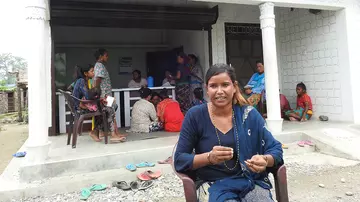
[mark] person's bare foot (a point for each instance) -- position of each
(115, 138)
(95, 137)
(121, 135)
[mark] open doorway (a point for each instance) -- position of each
(243, 49)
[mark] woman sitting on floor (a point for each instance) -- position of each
(303, 111)
(143, 115)
(169, 113)
(233, 147)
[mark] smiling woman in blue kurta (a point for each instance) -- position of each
(232, 145)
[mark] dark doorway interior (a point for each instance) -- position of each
(243, 49)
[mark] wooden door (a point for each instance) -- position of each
(243, 49)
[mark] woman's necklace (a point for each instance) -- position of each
(236, 137)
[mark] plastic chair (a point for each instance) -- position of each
(76, 120)
(190, 183)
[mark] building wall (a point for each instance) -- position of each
(3, 103)
(230, 13)
(82, 43)
(308, 52)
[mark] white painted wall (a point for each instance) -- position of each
(77, 53)
(308, 49)
(230, 13)
(194, 42)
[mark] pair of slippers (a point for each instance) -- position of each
(133, 167)
(305, 142)
(134, 185)
(149, 175)
(86, 192)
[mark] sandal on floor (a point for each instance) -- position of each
(134, 185)
(154, 175)
(85, 194)
(301, 144)
(19, 154)
(144, 176)
(146, 185)
(121, 185)
(308, 142)
(131, 167)
(98, 187)
(145, 164)
(167, 161)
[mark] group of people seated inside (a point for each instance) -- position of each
(254, 93)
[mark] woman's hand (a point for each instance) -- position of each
(257, 163)
(220, 154)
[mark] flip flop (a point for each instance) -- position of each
(131, 167)
(167, 161)
(98, 187)
(19, 154)
(144, 176)
(153, 175)
(85, 194)
(145, 164)
(134, 185)
(301, 144)
(121, 185)
(308, 142)
(146, 185)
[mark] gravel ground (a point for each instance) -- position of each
(303, 185)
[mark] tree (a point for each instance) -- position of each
(10, 63)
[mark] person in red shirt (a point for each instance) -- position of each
(303, 111)
(169, 113)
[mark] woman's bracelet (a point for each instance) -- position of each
(208, 158)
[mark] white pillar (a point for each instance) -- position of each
(267, 23)
(37, 19)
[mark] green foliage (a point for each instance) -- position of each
(10, 63)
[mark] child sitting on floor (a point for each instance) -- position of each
(303, 111)
(199, 97)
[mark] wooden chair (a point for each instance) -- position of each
(190, 184)
(76, 119)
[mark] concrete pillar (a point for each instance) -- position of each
(37, 20)
(267, 23)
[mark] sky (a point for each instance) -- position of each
(13, 27)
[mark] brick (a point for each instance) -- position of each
(327, 53)
(321, 54)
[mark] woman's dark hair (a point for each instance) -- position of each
(80, 71)
(219, 69)
(154, 94)
(230, 71)
(144, 92)
(199, 93)
(184, 56)
(193, 57)
(259, 61)
(137, 71)
(99, 53)
(164, 93)
(301, 85)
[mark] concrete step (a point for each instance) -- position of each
(15, 191)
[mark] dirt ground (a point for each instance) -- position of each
(12, 137)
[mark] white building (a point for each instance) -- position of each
(318, 47)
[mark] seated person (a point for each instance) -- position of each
(256, 85)
(225, 142)
(137, 81)
(303, 111)
(284, 106)
(143, 115)
(169, 80)
(155, 98)
(169, 113)
(199, 97)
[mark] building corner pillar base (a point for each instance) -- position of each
(275, 126)
(36, 154)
